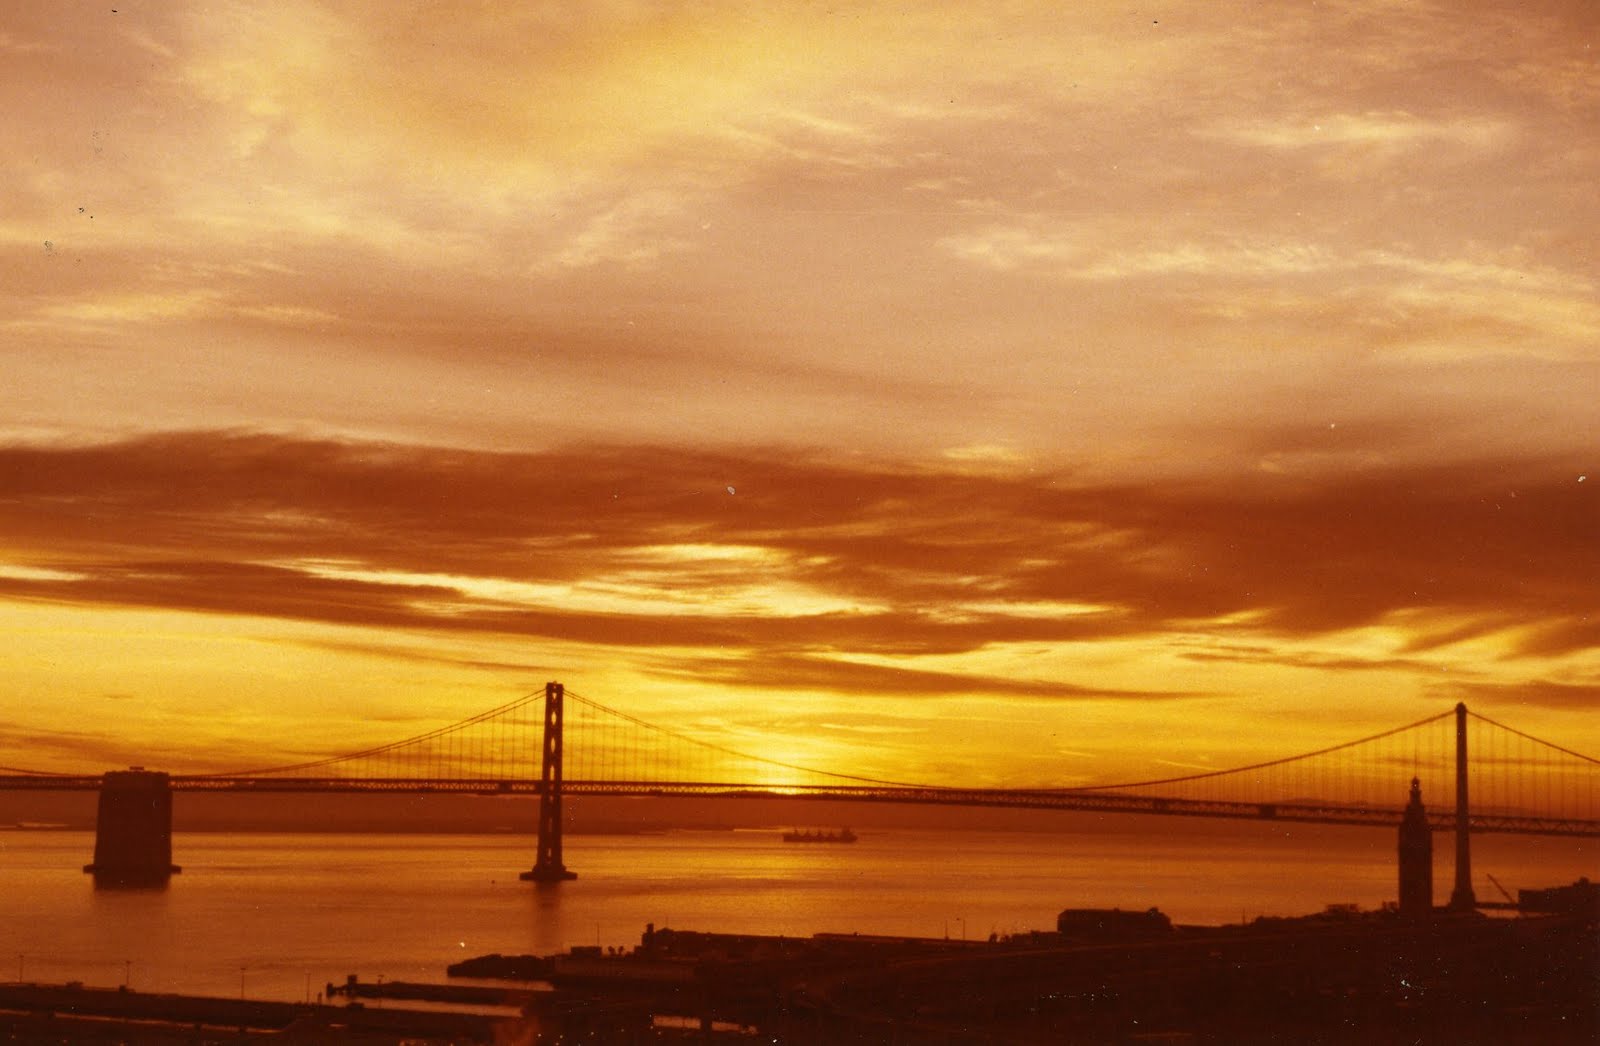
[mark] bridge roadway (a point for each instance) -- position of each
(1304, 811)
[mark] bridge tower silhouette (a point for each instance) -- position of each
(547, 865)
(1462, 898)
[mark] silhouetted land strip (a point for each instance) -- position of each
(459, 994)
(73, 1013)
(1103, 977)
(1339, 977)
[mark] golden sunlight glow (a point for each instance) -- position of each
(1019, 393)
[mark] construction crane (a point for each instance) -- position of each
(1510, 901)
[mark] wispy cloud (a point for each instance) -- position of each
(766, 672)
(1392, 130)
(1546, 693)
(11, 44)
(1097, 253)
(634, 231)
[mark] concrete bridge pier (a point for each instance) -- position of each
(133, 829)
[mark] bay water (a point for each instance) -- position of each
(279, 915)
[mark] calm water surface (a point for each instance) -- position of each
(279, 915)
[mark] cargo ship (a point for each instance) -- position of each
(843, 835)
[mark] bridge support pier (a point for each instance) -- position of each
(547, 866)
(133, 830)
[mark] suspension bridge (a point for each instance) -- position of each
(556, 743)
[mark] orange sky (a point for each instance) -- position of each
(1035, 395)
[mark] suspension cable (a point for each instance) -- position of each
(1535, 740)
(1257, 766)
(509, 706)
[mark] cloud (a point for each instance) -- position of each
(779, 671)
(1258, 654)
(10, 44)
(1096, 251)
(1343, 130)
(1542, 693)
(630, 232)
(795, 225)
(812, 561)
(46, 749)
(53, 748)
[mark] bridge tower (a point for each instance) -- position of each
(133, 829)
(1461, 898)
(547, 866)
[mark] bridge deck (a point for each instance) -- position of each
(1296, 810)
